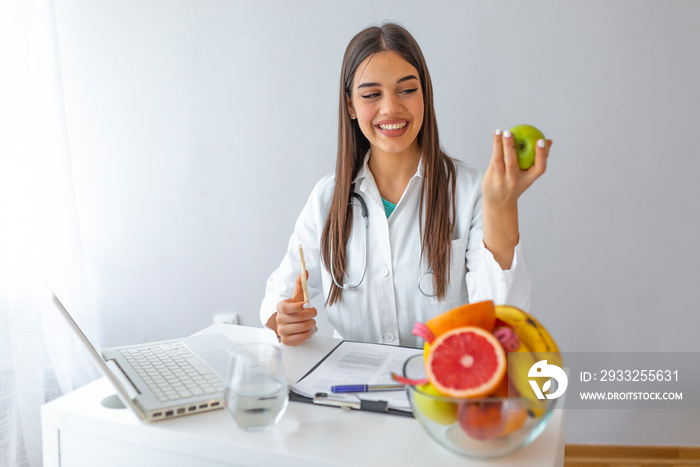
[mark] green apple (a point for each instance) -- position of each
(526, 137)
(442, 412)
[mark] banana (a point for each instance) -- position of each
(534, 339)
(528, 328)
(518, 375)
(530, 331)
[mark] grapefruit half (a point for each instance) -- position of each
(466, 362)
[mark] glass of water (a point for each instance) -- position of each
(256, 394)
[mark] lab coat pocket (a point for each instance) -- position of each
(457, 292)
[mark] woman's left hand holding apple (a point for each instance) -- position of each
(503, 183)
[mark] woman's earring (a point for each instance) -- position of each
(353, 116)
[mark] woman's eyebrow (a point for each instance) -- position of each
(400, 80)
(406, 78)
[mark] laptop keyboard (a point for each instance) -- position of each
(172, 372)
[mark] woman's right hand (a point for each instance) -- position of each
(294, 319)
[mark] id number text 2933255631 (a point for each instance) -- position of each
(630, 375)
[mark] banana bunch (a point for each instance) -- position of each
(531, 331)
(533, 340)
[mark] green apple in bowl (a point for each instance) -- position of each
(526, 137)
(427, 401)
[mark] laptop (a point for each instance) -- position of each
(164, 379)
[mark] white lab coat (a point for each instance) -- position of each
(385, 307)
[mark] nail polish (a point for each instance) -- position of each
(506, 133)
(498, 132)
(540, 143)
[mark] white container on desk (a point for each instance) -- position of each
(79, 431)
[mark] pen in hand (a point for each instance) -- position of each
(366, 388)
(303, 275)
(304, 287)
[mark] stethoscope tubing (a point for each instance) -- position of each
(365, 215)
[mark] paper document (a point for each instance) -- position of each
(359, 363)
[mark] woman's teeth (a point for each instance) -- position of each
(393, 126)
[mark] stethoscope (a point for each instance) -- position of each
(426, 283)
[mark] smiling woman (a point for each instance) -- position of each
(426, 211)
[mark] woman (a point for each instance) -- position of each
(438, 234)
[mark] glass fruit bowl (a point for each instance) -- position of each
(481, 428)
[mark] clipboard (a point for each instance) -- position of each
(321, 398)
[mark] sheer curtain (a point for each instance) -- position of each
(39, 232)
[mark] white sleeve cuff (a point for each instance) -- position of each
(487, 281)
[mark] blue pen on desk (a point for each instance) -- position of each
(366, 388)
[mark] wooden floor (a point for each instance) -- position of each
(584, 455)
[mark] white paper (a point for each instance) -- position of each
(359, 363)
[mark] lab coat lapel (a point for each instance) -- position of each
(368, 185)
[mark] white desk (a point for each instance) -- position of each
(79, 431)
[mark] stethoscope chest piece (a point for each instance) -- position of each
(426, 284)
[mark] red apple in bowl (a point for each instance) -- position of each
(482, 420)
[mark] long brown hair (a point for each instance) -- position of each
(437, 204)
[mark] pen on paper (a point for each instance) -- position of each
(303, 275)
(366, 388)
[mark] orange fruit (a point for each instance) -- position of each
(502, 389)
(466, 362)
(515, 419)
(506, 388)
(479, 314)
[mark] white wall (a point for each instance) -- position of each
(198, 128)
